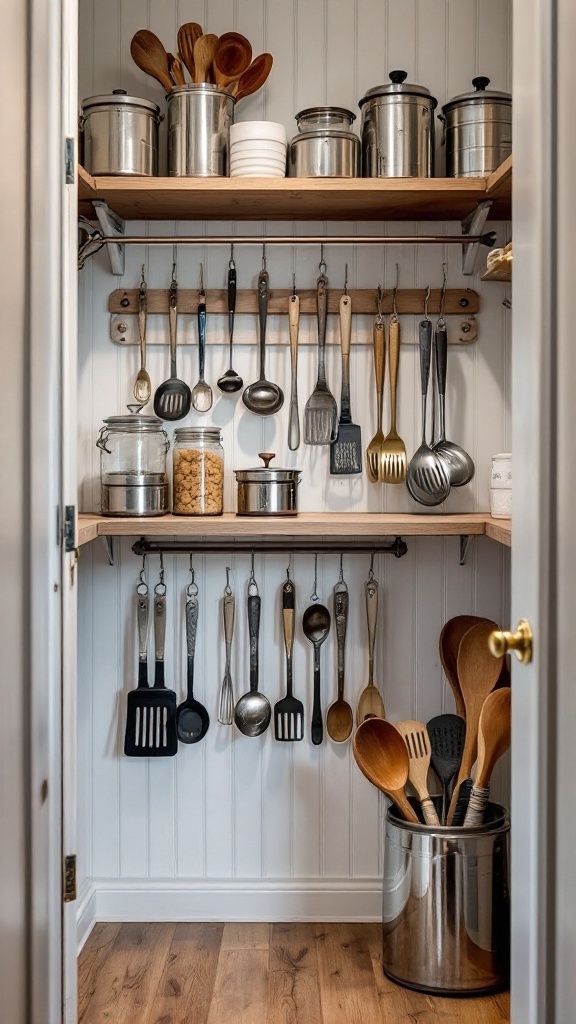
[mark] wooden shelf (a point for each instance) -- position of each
(352, 525)
(396, 199)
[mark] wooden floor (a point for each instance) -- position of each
(254, 974)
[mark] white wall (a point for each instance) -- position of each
(234, 809)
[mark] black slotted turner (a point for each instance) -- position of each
(151, 717)
(288, 712)
(447, 734)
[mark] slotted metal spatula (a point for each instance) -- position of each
(151, 718)
(321, 411)
(288, 712)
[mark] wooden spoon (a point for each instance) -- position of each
(449, 642)
(417, 742)
(232, 58)
(478, 671)
(253, 78)
(381, 755)
(187, 36)
(494, 732)
(204, 50)
(370, 701)
(176, 70)
(150, 56)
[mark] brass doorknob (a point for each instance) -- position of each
(501, 642)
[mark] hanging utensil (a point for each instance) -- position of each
(173, 397)
(204, 50)
(288, 712)
(230, 381)
(494, 733)
(192, 718)
(201, 392)
(142, 385)
(226, 704)
(253, 78)
(393, 462)
(381, 755)
(370, 700)
(427, 479)
(446, 734)
(449, 643)
(232, 57)
(478, 672)
(346, 450)
(459, 463)
(321, 411)
(418, 746)
(316, 626)
(253, 711)
(374, 449)
(187, 36)
(294, 327)
(263, 397)
(149, 55)
(340, 719)
(151, 717)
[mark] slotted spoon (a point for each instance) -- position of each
(374, 449)
(187, 36)
(418, 746)
(173, 397)
(393, 462)
(321, 411)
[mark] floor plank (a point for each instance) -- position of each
(241, 988)
(348, 992)
(129, 979)
(246, 935)
(92, 960)
(293, 991)
(187, 983)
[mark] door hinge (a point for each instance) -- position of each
(70, 543)
(70, 161)
(70, 878)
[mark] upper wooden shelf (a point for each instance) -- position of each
(306, 524)
(344, 199)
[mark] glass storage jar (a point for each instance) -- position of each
(133, 477)
(198, 479)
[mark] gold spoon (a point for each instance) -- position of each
(142, 385)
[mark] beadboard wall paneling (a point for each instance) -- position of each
(230, 807)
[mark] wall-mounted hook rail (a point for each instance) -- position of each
(397, 547)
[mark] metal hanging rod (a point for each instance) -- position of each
(397, 547)
(488, 239)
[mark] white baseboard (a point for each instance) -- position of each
(338, 899)
(85, 912)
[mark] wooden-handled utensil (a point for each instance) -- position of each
(478, 671)
(418, 746)
(232, 57)
(204, 50)
(340, 719)
(176, 69)
(187, 36)
(253, 78)
(346, 450)
(370, 701)
(494, 731)
(450, 637)
(288, 712)
(382, 757)
(149, 55)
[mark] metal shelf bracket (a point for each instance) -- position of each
(111, 226)
(473, 225)
(464, 546)
(109, 545)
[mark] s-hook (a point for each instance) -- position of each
(252, 585)
(394, 310)
(314, 595)
(227, 588)
(192, 588)
(142, 588)
(160, 588)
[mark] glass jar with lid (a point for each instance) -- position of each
(198, 478)
(133, 477)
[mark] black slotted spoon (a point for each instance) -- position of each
(289, 711)
(447, 733)
(173, 398)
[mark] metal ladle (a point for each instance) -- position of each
(253, 712)
(427, 479)
(201, 392)
(230, 382)
(316, 626)
(263, 397)
(460, 465)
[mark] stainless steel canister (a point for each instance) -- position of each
(136, 494)
(446, 905)
(119, 134)
(267, 492)
(398, 130)
(324, 154)
(477, 131)
(133, 478)
(199, 119)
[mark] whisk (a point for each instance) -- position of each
(226, 704)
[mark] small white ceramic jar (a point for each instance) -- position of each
(501, 486)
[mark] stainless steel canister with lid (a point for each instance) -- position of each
(133, 478)
(398, 130)
(267, 492)
(477, 131)
(325, 147)
(119, 134)
(199, 119)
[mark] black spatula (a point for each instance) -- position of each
(346, 450)
(446, 734)
(173, 397)
(151, 719)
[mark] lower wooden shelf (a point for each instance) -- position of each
(306, 524)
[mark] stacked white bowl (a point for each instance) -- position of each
(258, 149)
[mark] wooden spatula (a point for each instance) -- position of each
(204, 50)
(149, 55)
(494, 730)
(418, 746)
(478, 673)
(187, 36)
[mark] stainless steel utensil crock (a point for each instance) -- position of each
(324, 154)
(119, 134)
(446, 905)
(267, 492)
(199, 119)
(398, 130)
(477, 131)
(136, 494)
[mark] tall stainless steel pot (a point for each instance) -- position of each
(119, 134)
(477, 131)
(398, 130)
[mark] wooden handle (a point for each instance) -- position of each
(429, 811)
(371, 615)
(394, 357)
(476, 806)
(288, 601)
(345, 324)
(404, 806)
